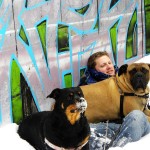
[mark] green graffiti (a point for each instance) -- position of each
(82, 76)
(82, 10)
(15, 93)
(131, 48)
(97, 21)
(147, 24)
(68, 80)
(42, 34)
(23, 36)
(82, 71)
(113, 36)
(63, 38)
(97, 24)
(1, 2)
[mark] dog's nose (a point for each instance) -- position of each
(139, 75)
(81, 99)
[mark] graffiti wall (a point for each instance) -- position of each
(45, 44)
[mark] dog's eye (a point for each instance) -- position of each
(144, 70)
(133, 71)
(79, 93)
(70, 96)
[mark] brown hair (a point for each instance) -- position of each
(91, 61)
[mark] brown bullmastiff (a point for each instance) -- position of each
(115, 97)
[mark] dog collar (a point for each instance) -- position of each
(61, 148)
(133, 94)
(146, 96)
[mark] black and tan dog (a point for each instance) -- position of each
(115, 97)
(65, 127)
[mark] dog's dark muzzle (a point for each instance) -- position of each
(139, 81)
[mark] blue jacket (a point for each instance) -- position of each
(92, 76)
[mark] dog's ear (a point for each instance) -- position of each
(122, 69)
(54, 94)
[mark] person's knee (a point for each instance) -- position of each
(137, 116)
(137, 124)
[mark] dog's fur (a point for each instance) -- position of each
(66, 126)
(103, 97)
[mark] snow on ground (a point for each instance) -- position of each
(143, 143)
(10, 140)
(145, 59)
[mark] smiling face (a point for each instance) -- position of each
(104, 65)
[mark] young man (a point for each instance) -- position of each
(104, 134)
(99, 67)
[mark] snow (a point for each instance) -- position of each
(10, 140)
(143, 143)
